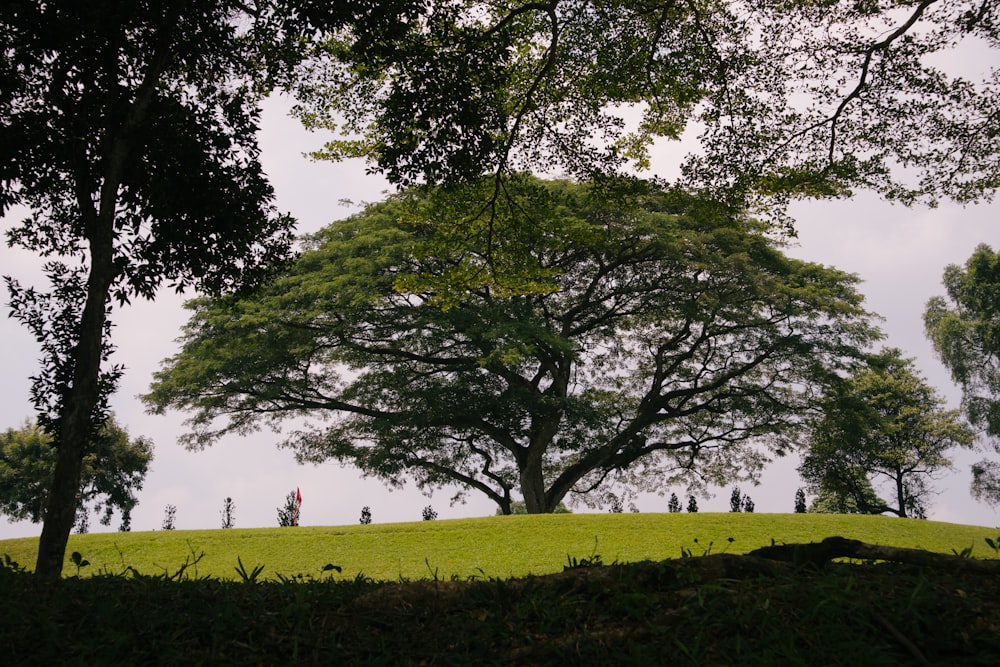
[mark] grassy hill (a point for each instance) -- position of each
(499, 547)
(510, 601)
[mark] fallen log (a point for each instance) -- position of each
(818, 553)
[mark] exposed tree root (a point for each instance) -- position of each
(818, 553)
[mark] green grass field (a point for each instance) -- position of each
(499, 547)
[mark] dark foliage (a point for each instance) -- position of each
(674, 505)
(287, 511)
(714, 610)
(228, 513)
(169, 517)
(735, 500)
(800, 501)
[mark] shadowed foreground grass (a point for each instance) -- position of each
(499, 547)
(141, 606)
(712, 610)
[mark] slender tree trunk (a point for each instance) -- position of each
(83, 396)
(901, 496)
(78, 407)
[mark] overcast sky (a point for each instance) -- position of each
(899, 253)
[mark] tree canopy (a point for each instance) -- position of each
(788, 99)
(113, 472)
(965, 331)
(662, 338)
(884, 423)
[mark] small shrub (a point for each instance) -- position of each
(287, 511)
(429, 513)
(576, 563)
(593, 560)
(748, 505)
(82, 521)
(9, 565)
(247, 576)
(169, 517)
(79, 561)
(228, 513)
(800, 501)
(366, 515)
(674, 505)
(616, 505)
(735, 500)
(692, 504)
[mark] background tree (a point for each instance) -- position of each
(692, 505)
(366, 515)
(965, 331)
(885, 423)
(428, 513)
(748, 505)
(228, 513)
(668, 342)
(674, 504)
(110, 110)
(169, 517)
(111, 473)
(287, 511)
(830, 501)
(735, 500)
(800, 501)
(82, 521)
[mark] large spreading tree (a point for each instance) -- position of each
(128, 131)
(656, 337)
(965, 331)
(882, 424)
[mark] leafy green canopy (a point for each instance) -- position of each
(113, 471)
(965, 331)
(660, 338)
(790, 98)
(128, 131)
(883, 423)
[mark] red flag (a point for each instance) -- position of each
(298, 504)
(298, 496)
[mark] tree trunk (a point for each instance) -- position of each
(901, 496)
(99, 228)
(531, 466)
(78, 405)
(533, 489)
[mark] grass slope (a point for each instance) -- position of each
(496, 547)
(721, 609)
